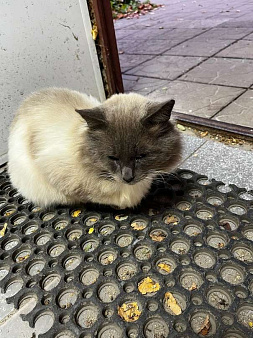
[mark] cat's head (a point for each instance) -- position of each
(131, 138)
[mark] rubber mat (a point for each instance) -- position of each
(180, 265)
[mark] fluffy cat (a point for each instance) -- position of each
(65, 147)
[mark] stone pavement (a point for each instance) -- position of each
(198, 52)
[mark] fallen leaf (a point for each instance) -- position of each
(8, 213)
(121, 217)
(172, 303)
(250, 324)
(109, 259)
(193, 287)
(220, 245)
(205, 328)
(22, 258)
(138, 225)
(226, 226)
(129, 312)
(94, 32)
(158, 236)
(164, 267)
(204, 133)
(161, 27)
(87, 247)
(147, 285)
(3, 231)
(171, 220)
(181, 127)
(91, 230)
(76, 213)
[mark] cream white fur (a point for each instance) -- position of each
(48, 163)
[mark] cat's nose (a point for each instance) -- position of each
(127, 174)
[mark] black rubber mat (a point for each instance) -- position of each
(180, 265)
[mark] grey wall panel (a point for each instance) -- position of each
(44, 43)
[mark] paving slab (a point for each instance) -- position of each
(223, 163)
(197, 99)
(238, 23)
(166, 67)
(241, 49)
(160, 33)
(16, 327)
(249, 37)
(199, 47)
(179, 33)
(201, 23)
(124, 33)
(141, 85)
(140, 46)
(128, 61)
(190, 145)
(239, 112)
(223, 71)
(157, 32)
(225, 33)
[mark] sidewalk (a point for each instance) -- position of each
(198, 52)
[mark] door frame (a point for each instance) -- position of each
(105, 40)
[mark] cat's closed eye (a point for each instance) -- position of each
(140, 157)
(113, 158)
(137, 158)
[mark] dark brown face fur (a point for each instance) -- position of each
(132, 149)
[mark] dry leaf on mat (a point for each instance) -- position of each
(3, 231)
(164, 267)
(205, 328)
(76, 213)
(172, 303)
(147, 285)
(171, 220)
(193, 287)
(129, 311)
(138, 225)
(158, 236)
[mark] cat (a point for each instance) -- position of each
(66, 147)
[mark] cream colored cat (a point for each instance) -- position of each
(66, 147)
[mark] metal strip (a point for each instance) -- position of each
(222, 126)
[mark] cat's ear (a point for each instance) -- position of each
(95, 117)
(158, 113)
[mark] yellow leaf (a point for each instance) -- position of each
(76, 213)
(129, 311)
(172, 303)
(147, 285)
(158, 236)
(164, 267)
(204, 133)
(171, 219)
(3, 231)
(250, 324)
(138, 225)
(205, 328)
(22, 258)
(181, 127)
(91, 230)
(94, 32)
(109, 259)
(8, 213)
(193, 287)
(121, 217)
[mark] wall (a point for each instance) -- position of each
(44, 43)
